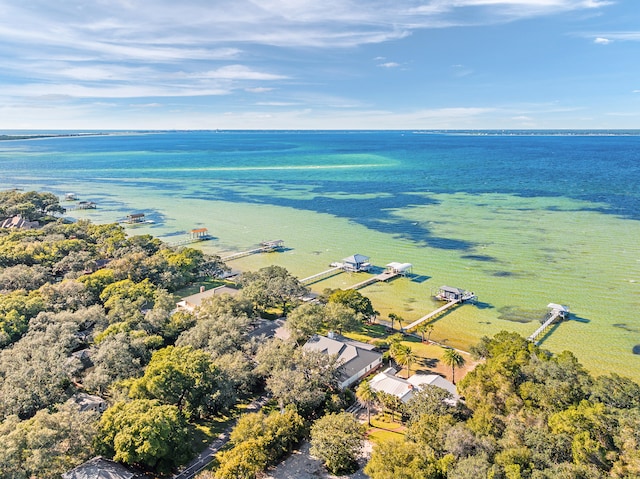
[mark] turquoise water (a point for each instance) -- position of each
(521, 218)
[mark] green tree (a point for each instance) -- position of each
(354, 300)
(48, 444)
(406, 460)
(186, 378)
(429, 400)
(367, 397)
(144, 432)
(258, 441)
(403, 355)
(337, 439)
(271, 286)
(35, 373)
(454, 359)
(304, 321)
(338, 317)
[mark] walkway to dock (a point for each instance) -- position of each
(386, 276)
(432, 314)
(557, 312)
(322, 275)
(265, 247)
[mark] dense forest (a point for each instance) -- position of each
(88, 308)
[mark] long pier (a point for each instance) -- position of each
(432, 314)
(187, 241)
(557, 313)
(322, 275)
(265, 247)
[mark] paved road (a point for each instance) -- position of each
(205, 457)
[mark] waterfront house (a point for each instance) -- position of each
(404, 389)
(190, 303)
(18, 222)
(355, 359)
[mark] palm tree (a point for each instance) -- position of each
(453, 358)
(425, 328)
(367, 397)
(403, 355)
(429, 329)
(407, 358)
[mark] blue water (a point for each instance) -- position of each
(526, 217)
(603, 169)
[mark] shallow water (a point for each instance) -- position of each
(522, 220)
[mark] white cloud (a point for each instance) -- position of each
(602, 41)
(146, 105)
(389, 65)
(241, 72)
(259, 89)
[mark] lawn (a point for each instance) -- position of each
(429, 355)
(382, 430)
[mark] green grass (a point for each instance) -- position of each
(382, 429)
(206, 430)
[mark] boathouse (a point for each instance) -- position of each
(449, 293)
(199, 234)
(86, 205)
(356, 263)
(561, 311)
(272, 245)
(135, 218)
(399, 268)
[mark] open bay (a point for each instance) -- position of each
(520, 218)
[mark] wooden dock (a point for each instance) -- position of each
(195, 236)
(432, 314)
(386, 276)
(265, 247)
(556, 313)
(323, 275)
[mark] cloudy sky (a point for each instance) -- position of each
(319, 64)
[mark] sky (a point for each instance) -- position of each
(319, 64)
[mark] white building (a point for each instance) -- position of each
(388, 382)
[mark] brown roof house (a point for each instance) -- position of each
(18, 222)
(190, 303)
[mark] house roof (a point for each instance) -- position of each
(18, 222)
(402, 267)
(356, 259)
(87, 401)
(451, 289)
(101, 468)
(195, 300)
(388, 382)
(353, 356)
(421, 380)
